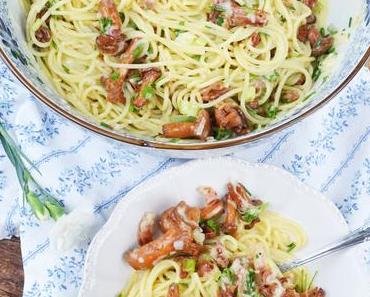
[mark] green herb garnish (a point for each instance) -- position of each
(66, 69)
(291, 246)
(122, 16)
(229, 275)
(272, 77)
(250, 284)
(105, 24)
(213, 225)
(322, 32)
(220, 21)
(148, 92)
(316, 71)
(105, 125)
(50, 3)
(272, 112)
(196, 57)
(223, 134)
(138, 51)
(350, 22)
(133, 108)
(174, 140)
(189, 265)
(253, 213)
(331, 50)
(150, 49)
(115, 75)
(182, 118)
(53, 44)
(132, 25)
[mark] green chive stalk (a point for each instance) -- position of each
(43, 205)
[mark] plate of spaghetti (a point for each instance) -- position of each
(175, 71)
(219, 227)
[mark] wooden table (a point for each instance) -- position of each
(11, 270)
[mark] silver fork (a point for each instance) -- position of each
(356, 237)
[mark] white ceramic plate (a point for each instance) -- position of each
(340, 275)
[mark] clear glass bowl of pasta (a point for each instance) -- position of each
(184, 77)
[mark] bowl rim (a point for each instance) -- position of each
(131, 139)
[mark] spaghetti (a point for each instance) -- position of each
(243, 62)
(235, 257)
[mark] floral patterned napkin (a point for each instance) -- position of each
(330, 151)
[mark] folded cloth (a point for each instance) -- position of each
(330, 151)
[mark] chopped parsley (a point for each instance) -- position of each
(316, 71)
(66, 69)
(291, 246)
(253, 213)
(175, 140)
(196, 57)
(178, 31)
(148, 92)
(322, 32)
(105, 24)
(350, 22)
(229, 275)
(189, 265)
(50, 3)
(309, 96)
(53, 44)
(132, 25)
(138, 51)
(182, 119)
(132, 108)
(213, 225)
(317, 64)
(220, 21)
(122, 16)
(150, 49)
(272, 112)
(105, 125)
(115, 75)
(223, 134)
(250, 288)
(272, 77)
(331, 50)
(331, 30)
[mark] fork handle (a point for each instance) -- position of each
(356, 237)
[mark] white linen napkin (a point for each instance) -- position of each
(330, 151)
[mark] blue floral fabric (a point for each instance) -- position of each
(330, 151)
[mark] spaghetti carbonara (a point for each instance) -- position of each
(228, 248)
(175, 69)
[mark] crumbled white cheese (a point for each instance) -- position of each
(147, 220)
(279, 290)
(178, 245)
(199, 236)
